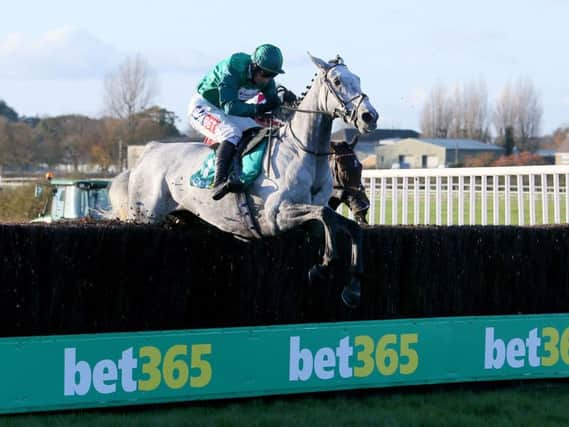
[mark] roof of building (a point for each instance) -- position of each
(461, 144)
(347, 134)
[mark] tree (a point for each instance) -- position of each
(163, 118)
(128, 91)
(519, 107)
(8, 112)
(560, 135)
(436, 116)
(470, 112)
(509, 140)
(460, 114)
(15, 144)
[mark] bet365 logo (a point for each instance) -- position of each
(177, 367)
(387, 355)
(545, 347)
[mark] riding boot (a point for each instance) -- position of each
(223, 184)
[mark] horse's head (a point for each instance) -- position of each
(344, 148)
(344, 164)
(343, 95)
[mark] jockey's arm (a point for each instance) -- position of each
(233, 106)
(229, 99)
(271, 97)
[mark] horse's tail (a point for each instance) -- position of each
(118, 196)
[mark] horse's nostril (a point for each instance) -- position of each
(367, 117)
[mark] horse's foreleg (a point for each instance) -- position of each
(292, 216)
(356, 236)
(295, 215)
(351, 292)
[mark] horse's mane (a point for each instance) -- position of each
(285, 114)
(336, 61)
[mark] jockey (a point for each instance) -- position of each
(220, 111)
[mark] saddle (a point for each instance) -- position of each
(251, 150)
(252, 137)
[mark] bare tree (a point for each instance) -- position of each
(519, 107)
(129, 90)
(462, 113)
(436, 116)
(475, 111)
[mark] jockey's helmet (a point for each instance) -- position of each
(268, 58)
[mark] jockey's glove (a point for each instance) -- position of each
(262, 109)
(286, 96)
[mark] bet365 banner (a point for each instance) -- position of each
(81, 371)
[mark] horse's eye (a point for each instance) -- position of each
(337, 81)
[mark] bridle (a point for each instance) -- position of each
(343, 113)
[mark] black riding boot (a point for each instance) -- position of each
(223, 184)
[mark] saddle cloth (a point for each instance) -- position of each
(251, 166)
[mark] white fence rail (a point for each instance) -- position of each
(519, 195)
(17, 181)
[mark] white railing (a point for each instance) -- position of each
(16, 182)
(518, 195)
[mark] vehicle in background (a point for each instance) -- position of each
(72, 199)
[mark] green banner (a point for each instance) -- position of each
(81, 371)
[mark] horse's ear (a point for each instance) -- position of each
(338, 60)
(323, 65)
(354, 141)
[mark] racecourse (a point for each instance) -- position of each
(467, 220)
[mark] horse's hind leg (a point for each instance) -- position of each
(149, 198)
(118, 196)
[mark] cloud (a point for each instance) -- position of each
(62, 53)
(70, 53)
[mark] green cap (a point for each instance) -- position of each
(269, 58)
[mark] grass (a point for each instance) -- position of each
(18, 204)
(513, 404)
(514, 209)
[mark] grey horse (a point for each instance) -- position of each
(292, 190)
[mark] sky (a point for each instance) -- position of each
(54, 55)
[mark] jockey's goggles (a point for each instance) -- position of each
(267, 74)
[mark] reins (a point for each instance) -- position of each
(346, 114)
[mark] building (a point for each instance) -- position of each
(432, 153)
(368, 142)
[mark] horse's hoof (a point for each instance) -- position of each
(351, 293)
(318, 273)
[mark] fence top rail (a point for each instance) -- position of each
(19, 179)
(487, 171)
